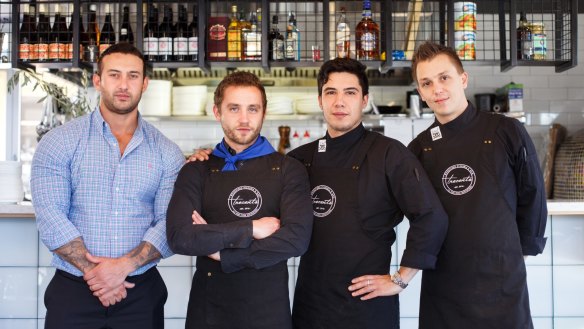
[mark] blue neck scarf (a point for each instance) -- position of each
(259, 148)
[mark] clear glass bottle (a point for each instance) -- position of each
(539, 41)
(367, 35)
(92, 49)
(343, 36)
(292, 39)
(252, 40)
(234, 36)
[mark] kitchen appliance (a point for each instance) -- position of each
(485, 102)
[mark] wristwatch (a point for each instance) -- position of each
(396, 278)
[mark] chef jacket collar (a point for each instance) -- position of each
(348, 138)
(462, 120)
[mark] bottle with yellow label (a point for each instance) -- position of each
(539, 41)
(234, 37)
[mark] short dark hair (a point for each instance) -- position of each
(340, 65)
(428, 51)
(239, 79)
(121, 48)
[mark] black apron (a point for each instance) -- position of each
(339, 251)
(480, 278)
(248, 298)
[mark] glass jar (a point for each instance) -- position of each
(539, 41)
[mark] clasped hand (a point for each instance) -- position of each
(107, 279)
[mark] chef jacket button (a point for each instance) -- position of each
(231, 245)
(209, 274)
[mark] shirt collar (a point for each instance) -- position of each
(98, 121)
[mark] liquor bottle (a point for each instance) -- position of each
(92, 49)
(107, 36)
(276, 41)
(252, 40)
(26, 35)
(58, 38)
(43, 29)
(151, 35)
(524, 39)
(165, 36)
(193, 51)
(292, 39)
(126, 34)
(234, 37)
(367, 35)
(343, 35)
(180, 42)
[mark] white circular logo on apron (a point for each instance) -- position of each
(245, 201)
(459, 179)
(323, 200)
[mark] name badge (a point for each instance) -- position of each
(322, 145)
(436, 133)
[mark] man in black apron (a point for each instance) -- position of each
(485, 170)
(362, 185)
(244, 212)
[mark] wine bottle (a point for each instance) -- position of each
(367, 35)
(58, 37)
(165, 36)
(126, 34)
(69, 39)
(43, 32)
(92, 49)
(193, 51)
(107, 37)
(25, 36)
(151, 35)
(181, 36)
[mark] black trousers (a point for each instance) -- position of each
(71, 304)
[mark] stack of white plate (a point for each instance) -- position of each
(280, 105)
(307, 105)
(189, 100)
(156, 99)
(11, 182)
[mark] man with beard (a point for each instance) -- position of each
(100, 187)
(244, 213)
(485, 170)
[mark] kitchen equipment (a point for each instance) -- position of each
(485, 102)
(389, 109)
(156, 99)
(189, 100)
(11, 182)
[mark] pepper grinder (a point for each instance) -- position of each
(284, 139)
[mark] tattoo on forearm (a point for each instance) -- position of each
(74, 253)
(143, 254)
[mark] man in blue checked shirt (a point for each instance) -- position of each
(101, 186)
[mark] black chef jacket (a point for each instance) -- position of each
(248, 288)
(485, 170)
(390, 183)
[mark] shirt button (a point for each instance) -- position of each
(117, 189)
(209, 274)
(115, 213)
